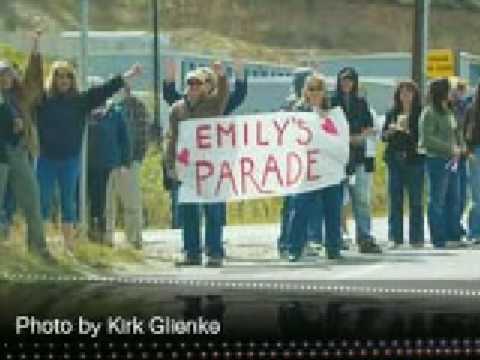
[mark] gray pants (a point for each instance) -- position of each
(27, 195)
(125, 186)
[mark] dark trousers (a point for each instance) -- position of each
(456, 203)
(97, 194)
(176, 209)
(192, 214)
(284, 215)
(406, 176)
(304, 206)
(314, 224)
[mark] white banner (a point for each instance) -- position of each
(253, 156)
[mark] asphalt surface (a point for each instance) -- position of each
(251, 256)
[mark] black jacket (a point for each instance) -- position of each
(359, 118)
(6, 130)
(401, 143)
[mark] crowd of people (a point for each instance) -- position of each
(42, 126)
(41, 138)
(427, 141)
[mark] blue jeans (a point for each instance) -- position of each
(213, 229)
(66, 172)
(456, 203)
(474, 215)
(315, 223)
(409, 176)
(304, 206)
(287, 208)
(443, 183)
(360, 193)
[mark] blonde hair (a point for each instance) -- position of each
(51, 88)
(316, 81)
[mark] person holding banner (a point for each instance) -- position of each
(198, 103)
(314, 226)
(235, 99)
(306, 205)
(442, 140)
(61, 121)
(360, 167)
(406, 167)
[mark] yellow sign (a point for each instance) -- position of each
(440, 63)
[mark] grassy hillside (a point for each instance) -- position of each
(332, 25)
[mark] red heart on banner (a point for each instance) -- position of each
(183, 156)
(329, 127)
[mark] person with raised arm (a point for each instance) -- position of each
(62, 114)
(235, 99)
(20, 144)
(197, 103)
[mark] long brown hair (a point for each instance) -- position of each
(439, 90)
(416, 102)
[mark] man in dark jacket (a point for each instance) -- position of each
(359, 168)
(108, 149)
(136, 117)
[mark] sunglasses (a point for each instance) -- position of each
(64, 75)
(194, 82)
(315, 89)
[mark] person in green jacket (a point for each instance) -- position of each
(442, 141)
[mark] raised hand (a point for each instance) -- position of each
(218, 68)
(36, 35)
(238, 68)
(135, 71)
(170, 70)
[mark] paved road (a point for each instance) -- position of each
(252, 257)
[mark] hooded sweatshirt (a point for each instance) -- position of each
(358, 116)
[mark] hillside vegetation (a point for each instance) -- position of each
(330, 25)
(274, 30)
